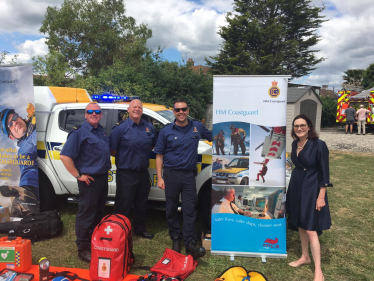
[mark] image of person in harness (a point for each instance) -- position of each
(220, 142)
(262, 172)
(237, 139)
(26, 194)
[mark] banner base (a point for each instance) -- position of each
(248, 254)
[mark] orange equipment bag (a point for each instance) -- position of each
(15, 253)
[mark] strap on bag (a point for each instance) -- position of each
(68, 274)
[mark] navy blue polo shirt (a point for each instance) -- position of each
(133, 144)
(89, 149)
(179, 144)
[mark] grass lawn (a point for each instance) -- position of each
(347, 248)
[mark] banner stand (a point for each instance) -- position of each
(249, 166)
(232, 255)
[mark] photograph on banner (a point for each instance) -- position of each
(253, 202)
(19, 183)
(231, 138)
(268, 156)
(230, 170)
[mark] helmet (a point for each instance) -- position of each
(4, 120)
(221, 132)
(232, 126)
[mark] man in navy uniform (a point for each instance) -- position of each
(131, 142)
(86, 155)
(176, 149)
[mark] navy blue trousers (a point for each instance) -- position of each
(180, 182)
(91, 208)
(132, 191)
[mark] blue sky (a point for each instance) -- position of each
(188, 29)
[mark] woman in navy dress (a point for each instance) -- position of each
(307, 205)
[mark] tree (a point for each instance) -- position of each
(92, 34)
(3, 55)
(329, 106)
(155, 81)
(269, 37)
(352, 78)
(368, 77)
(52, 70)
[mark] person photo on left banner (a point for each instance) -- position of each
(21, 131)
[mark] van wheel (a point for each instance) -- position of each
(244, 181)
(47, 195)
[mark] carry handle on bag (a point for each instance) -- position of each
(174, 264)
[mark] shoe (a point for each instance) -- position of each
(193, 251)
(346, 132)
(263, 181)
(358, 134)
(363, 134)
(145, 234)
(176, 244)
(84, 255)
(257, 180)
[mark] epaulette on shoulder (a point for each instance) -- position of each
(76, 127)
(118, 123)
(218, 203)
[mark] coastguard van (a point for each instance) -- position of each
(59, 109)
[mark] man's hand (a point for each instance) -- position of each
(161, 183)
(86, 178)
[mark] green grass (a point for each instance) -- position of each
(347, 248)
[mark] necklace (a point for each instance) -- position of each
(302, 145)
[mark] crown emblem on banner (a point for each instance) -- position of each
(274, 91)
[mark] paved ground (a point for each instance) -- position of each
(336, 139)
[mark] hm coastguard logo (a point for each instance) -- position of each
(274, 91)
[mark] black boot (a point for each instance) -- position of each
(193, 251)
(85, 254)
(176, 244)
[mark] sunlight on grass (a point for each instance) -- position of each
(347, 248)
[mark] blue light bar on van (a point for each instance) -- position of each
(110, 98)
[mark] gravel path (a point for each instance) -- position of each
(336, 139)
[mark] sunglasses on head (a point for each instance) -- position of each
(14, 118)
(90, 111)
(184, 109)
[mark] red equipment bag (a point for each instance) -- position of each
(174, 264)
(111, 249)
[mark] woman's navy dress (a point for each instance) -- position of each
(310, 173)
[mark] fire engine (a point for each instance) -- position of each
(346, 98)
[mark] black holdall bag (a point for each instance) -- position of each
(40, 226)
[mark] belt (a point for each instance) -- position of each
(178, 170)
(95, 175)
(131, 171)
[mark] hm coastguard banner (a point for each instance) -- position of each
(19, 183)
(249, 166)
